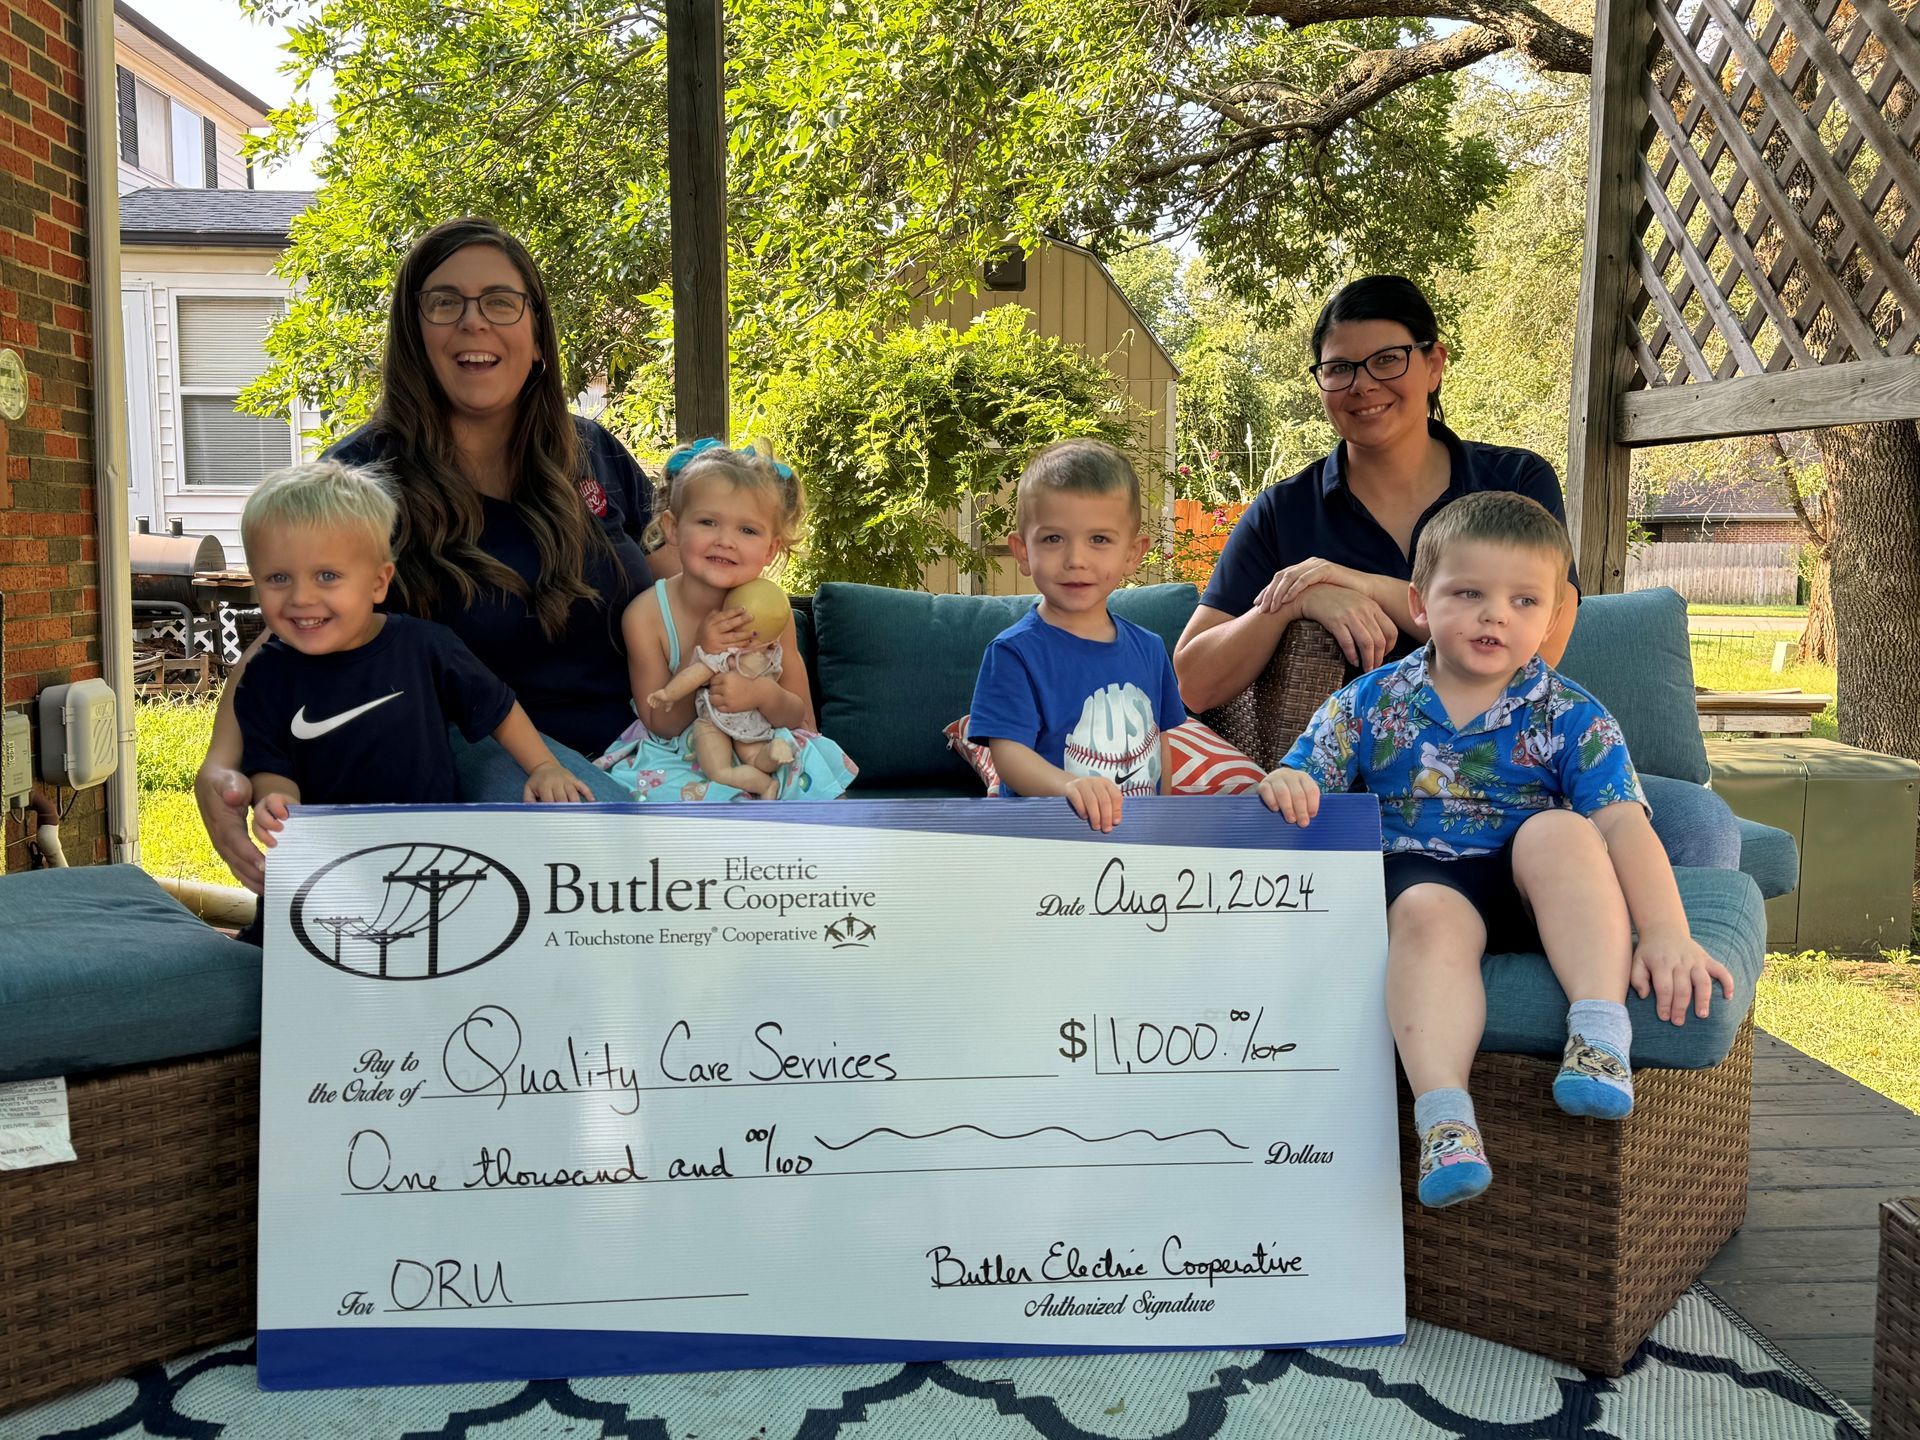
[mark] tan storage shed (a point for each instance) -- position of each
(1069, 295)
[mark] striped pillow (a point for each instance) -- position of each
(1202, 763)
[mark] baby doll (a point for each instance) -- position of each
(739, 749)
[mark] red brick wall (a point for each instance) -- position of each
(47, 569)
(1733, 532)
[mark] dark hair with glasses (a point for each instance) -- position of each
(1383, 297)
(437, 545)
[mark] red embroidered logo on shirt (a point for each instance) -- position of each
(596, 498)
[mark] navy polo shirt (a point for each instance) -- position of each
(575, 689)
(1313, 514)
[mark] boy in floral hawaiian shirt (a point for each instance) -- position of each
(1512, 820)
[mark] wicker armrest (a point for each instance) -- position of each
(1266, 718)
(1896, 1341)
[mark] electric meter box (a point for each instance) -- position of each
(79, 733)
(16, 759)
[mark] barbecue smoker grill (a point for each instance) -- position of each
(164, 567)
(183, 580)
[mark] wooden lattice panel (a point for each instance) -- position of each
(1779, 189)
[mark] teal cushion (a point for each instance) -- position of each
(1631, 652)
(895, 667)
(1769, 855)
(1527, 1009)
(101, 967)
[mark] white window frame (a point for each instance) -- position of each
(158, 167)
(179, 485)
(177, 110)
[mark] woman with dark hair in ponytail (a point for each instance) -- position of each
(519, 522)
(1336, 542)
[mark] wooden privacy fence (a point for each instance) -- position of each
(1715, 574)
(1200, 533)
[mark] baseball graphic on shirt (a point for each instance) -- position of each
(1116, 737)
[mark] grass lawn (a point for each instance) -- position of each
(171, 737)
(1742, 662)
(1862, 1017)
(1778, 612)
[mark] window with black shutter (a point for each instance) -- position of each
(212, 155)
(129, 117)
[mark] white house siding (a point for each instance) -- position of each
(232, 117)
(165, 276)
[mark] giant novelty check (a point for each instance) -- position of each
(568, 1091)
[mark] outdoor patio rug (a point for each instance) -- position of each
(1704, 1375)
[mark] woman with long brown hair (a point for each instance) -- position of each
(519, 521)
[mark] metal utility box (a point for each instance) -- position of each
(1851, 812)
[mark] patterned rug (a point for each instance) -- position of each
(1702, 1374)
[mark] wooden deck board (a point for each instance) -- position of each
(1826, 1152)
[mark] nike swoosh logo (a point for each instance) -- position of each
(305, 729)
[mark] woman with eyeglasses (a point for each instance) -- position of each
(520, 523)
(1335, 543)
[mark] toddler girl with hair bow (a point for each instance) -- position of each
(727, 731)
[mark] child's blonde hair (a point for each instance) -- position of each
(1077, 467)
(1500, 517)
(321, 493)
(745, 469)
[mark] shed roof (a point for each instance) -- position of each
(1743, 497)
(210, 217)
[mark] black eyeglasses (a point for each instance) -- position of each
(1388, 364)
(449, 307)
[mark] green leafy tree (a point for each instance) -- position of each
(895, 436)
(876, 148)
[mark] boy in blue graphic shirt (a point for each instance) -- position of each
(1073, 700)
(345, 705)
(1512, 820)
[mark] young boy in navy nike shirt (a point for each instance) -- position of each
(344, 704)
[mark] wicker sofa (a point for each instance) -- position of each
(144, 1248)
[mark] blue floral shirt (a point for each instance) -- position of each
(1545, 743)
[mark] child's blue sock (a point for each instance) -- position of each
(1453, 1161)
(1595, 1076)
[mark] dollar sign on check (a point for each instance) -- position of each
(1071, 1031)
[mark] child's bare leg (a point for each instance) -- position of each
(1561, 867)
(1436, 1001)
(714, 749)
(1437, 1005)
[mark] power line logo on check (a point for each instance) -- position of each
(409, 912)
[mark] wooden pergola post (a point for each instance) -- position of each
(1599, 467)
(697, 209)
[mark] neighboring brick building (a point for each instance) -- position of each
(1745, 510)
(48, 575)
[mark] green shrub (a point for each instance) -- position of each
(892, 433)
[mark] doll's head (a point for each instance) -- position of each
(749, 495)
(766, 604)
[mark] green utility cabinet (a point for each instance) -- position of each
(1852, 813)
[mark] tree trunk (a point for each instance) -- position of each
(1874, 470)
(1818, 645)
